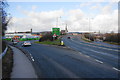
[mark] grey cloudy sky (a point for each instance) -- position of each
(41, 16)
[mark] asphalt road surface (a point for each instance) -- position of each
(102, 53)
(85, 62)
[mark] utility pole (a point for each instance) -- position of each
(57, 21)
(89, 26)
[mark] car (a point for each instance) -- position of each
(26, 43)
(15, 42)
(68, 37)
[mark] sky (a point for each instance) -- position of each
(79, 16)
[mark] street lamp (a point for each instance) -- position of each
(57, 21)
(89, 26)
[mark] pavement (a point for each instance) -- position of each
(22, 67)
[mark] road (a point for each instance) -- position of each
(54, 62)
(102, 53)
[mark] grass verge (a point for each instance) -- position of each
(85, 39)
(113, 43)
(7, 64)
(56, 42)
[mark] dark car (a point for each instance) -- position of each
(68, 37)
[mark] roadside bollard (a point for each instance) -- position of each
(62, 43)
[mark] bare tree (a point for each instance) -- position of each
(4, 20)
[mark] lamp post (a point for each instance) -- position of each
(89, 26)
(57, 21)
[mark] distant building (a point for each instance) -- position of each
(17, 34)
(64, 31)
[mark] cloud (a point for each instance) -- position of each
(34, 7)
(97, 6)
(39, 21)
(85, 4)
(106, 20)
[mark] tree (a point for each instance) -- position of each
(4, 20)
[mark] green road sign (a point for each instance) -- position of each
(56, 31)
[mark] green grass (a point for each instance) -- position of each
(113, 43)
(85, 39)
(8, 39)
(56, 42)
(22, 39)
(7, 63)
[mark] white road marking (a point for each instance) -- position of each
(33, 60)
(98, 61)
(116, 69)
(31, 57)
(68, 47)
(87, 56)
(103, 53)
(80, 53)
(96, 46)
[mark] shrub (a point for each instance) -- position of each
(47, 37)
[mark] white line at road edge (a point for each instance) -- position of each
(116, 69)
(98, 61)
(30, 55)
(33, 60)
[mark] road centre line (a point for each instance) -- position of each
(116, 69)
(98, 61)
(80, 53)
(96, 46)
(87, 56)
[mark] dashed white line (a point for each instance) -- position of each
(97, 47)
(98, 61)
(31, 57)
(116, 69)
(80, 53)
(87, 56)
(33, 60)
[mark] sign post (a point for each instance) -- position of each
(54, 36)
(56, 31)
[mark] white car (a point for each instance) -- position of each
(26, 43)
(15, 42)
